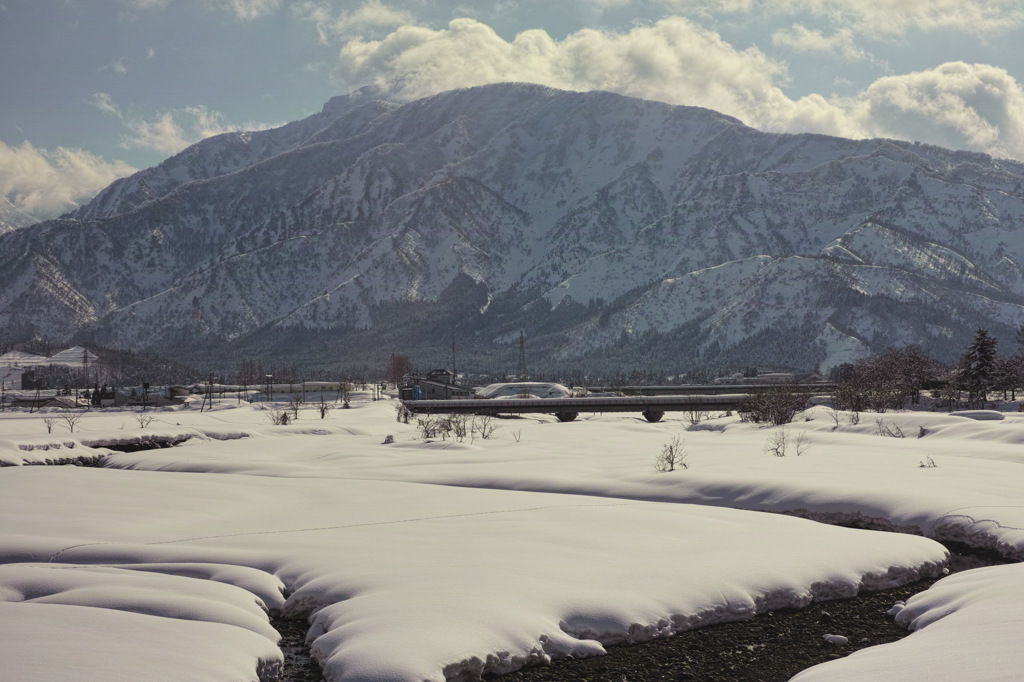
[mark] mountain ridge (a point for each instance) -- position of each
(603, 226)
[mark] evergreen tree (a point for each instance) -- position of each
(978, 367)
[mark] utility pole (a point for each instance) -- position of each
(522, 356)
(85, 365)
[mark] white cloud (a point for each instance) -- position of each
(372, 14)
(673, 60)
(244, 10)
(963, 106)
(105, 103)
(896, 17)
(170, 131)
(117, 66)
(875, 18)
(247, 10)
(842, 43)
(160, 134)
(46, 183)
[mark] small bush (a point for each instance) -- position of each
(781, 443)
(889, 430)
(482, 425)
(672, 455)
(70, 419)
(325, 407)
(428, 427)
(460, 426)
(777, 405)
(694, 417)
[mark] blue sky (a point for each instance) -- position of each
(95, 89)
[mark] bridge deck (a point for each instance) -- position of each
(569, 407)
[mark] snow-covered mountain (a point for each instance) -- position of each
(614, 231)
(11, 217)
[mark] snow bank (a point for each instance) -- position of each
(408, 581)
(98, 623)
(965, 627)
(420, 560)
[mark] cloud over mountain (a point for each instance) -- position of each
(966, 106)
(45, 182)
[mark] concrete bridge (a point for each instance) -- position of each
(653, 407)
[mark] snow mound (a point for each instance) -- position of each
(117, 624)
(965, 627)
(980, 415)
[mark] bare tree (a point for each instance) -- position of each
(50, 423)
(398, 366)
(323, 406)
(781, 443)
(144, 420)
(279, 417)
(776, 405)
(483, 426)
(672, 455)
(70, 419)
(694, 417)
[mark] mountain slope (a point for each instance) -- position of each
(617, 232)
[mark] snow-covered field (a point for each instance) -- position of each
(431, 560)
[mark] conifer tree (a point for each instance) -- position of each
(978, 365)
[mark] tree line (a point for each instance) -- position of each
(897, 377)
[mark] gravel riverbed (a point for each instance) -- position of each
(773, 646)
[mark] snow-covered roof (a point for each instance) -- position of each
(17, 358)
(71, 357)
(536, 389)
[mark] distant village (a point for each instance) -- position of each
(18, 369)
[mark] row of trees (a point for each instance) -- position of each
(896, 377)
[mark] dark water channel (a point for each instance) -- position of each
(299, 666)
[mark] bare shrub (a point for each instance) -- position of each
(893, 430)
(927, 463)
(672, 455)
(324, 407)
(834, 414)
(854, 418)
(444, 426)
(781, 443)
(459, 426)
(293, 406)
(427, 426)
(776, 405)
(50, 422)
(144, 420)
(483, 425)
(70, 419)
(694, 417)
(517, 434)
(402, 413)
(279, 417)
